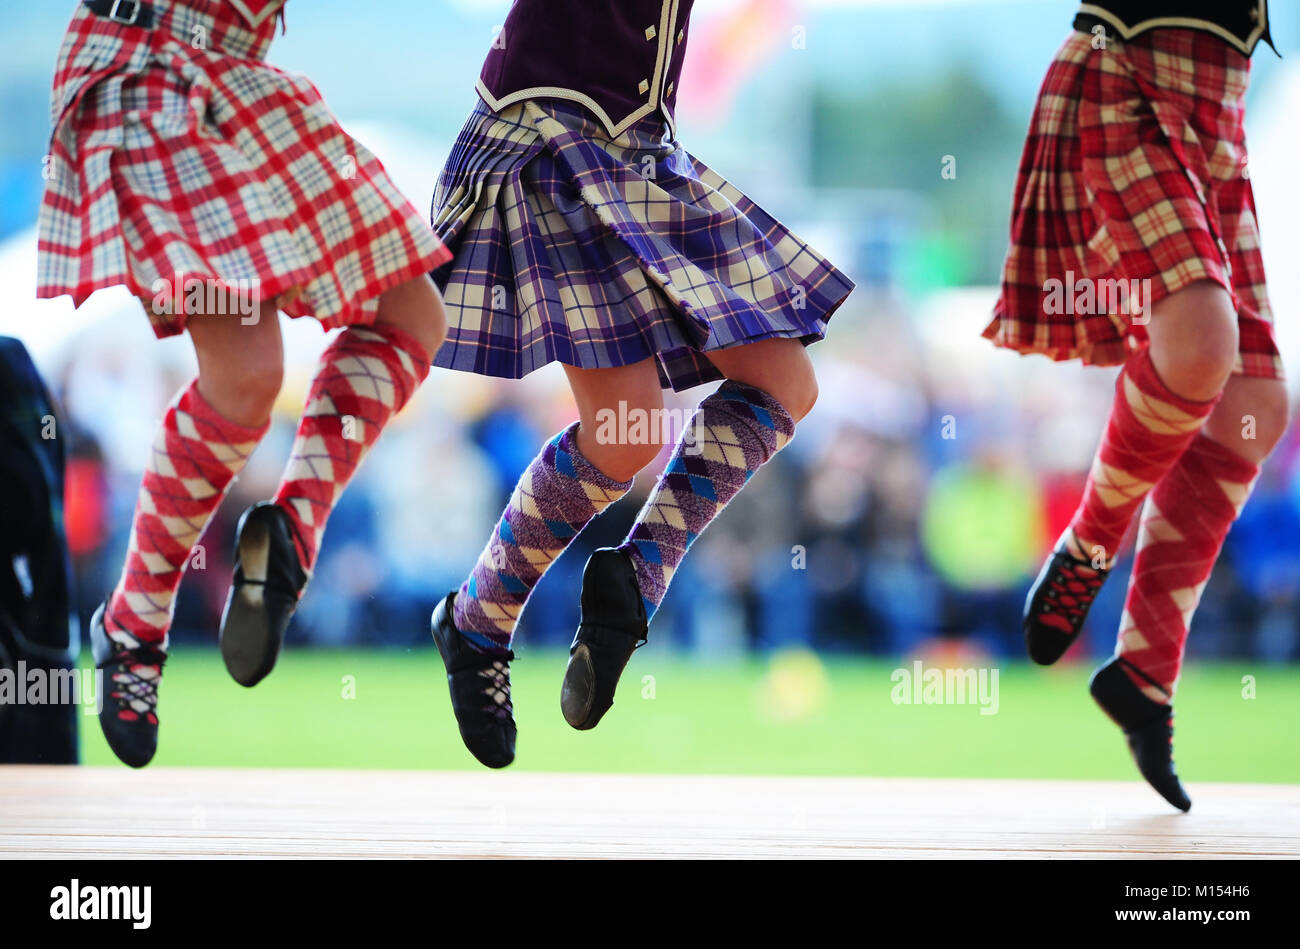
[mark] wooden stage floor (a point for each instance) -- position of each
(182, 812)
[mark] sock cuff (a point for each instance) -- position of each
(400, 351)
(562, 454)
(1140, 371)
(408, 344)
(767, 417)
(190, 401)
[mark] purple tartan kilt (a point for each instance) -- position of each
(573, 247)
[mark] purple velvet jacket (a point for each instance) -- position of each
(622, 59)
(1240, 23)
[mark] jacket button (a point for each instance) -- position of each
(651, 32)
(681, 35)
(644, 87)
(671, 87)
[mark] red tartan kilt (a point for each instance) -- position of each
(1134, 169)
(176, 163)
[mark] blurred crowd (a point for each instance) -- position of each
(916, 502)
(911, 510)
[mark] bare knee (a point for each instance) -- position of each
(622, 440)
(1194, 340)
(1275, 416)
(795, 388)
(1200, 369)
(241, 365)
(620, 461)
(802, 396)
(416, 308)
(623, 423)
(243, 390)
(1252, 418)
(779, 367)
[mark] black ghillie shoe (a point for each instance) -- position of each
(1057, 605)
(268, 582)
(480, 690)
(128, 692)
(613, 626)
(1148, 725)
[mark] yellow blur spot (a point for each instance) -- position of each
(795, 687)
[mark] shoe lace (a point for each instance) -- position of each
(1072, 588)
(136, 675)
(497, 677)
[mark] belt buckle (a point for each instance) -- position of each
(135, 5)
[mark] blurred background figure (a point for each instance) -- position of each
(38, 715)
(910, 512)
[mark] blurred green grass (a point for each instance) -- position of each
(791, 715)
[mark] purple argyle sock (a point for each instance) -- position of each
(735, 432)
(555, 498)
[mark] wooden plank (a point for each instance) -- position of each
(188, 812)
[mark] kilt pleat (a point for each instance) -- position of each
(1134, 169)
(595, 252)
(172, 158)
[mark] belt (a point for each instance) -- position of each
(126, 12)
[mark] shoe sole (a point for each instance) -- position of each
(578, 693)
(433, 631)
(248, 647)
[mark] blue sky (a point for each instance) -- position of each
(405, 57)
(413, 62)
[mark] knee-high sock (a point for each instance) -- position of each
(365, 378)
(1149, 428)
(733, 433)
(1184, 524)
(196, 454)
(555, 498)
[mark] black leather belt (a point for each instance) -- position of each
(126, 12)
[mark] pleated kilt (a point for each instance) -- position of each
(595, 252)
(179, 156)
(1135, 169)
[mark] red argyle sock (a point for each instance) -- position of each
(196, 455)
(1149, 428)
(1183, 528)
(365, 378)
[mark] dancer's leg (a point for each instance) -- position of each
(206, 436)
(1163, 397)
(733, 433)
